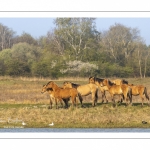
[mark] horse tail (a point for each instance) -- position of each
(145, 92)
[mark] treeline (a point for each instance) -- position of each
(75, 48)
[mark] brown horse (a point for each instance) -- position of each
(63, 94)
(140, 90)
(84, 90)
(113, 89)
(51, 94)
(103, 89)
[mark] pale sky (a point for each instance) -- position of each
(40, 26)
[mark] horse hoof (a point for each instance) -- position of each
(114, 105)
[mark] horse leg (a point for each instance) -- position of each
(56, 103)
(50, 102)
(96, 97)
(105, 97)
(113, 100)
(102, 97)
(61, 102)
(66, 102)
(81, 99)
(142, 97)
(93, 99)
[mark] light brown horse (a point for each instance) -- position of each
(84, 90)
(103, 89)
(119, 81)
(140, 90)
(123, 90)
(60, 93)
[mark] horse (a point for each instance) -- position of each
(61, 93)
(114, 89)
(84, 90)
(103, 89)
(119, 81)
(52, 98)
(140, 90)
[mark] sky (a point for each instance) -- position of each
(37, 27)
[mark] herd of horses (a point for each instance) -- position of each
(71, 91)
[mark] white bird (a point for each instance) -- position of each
(23, 123)
(51, 124)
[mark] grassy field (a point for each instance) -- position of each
(21, 100)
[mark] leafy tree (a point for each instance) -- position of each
(25, 38)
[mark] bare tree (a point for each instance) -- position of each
(6, 37)
(75, 32)
(120, 42)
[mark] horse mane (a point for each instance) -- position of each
(111, 83)
(74, 85)
(124, 81)
(99, 80)
(48, 83)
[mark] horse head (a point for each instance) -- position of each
(44, 89)
(91, 79)
(67, 84)
(47, 86)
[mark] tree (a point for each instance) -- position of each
(75, 32)
(25, 37)
(120, 42)
(6, 37)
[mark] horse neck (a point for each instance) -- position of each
(55, 87)
(108, 84)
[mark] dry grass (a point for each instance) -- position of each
(21, 99)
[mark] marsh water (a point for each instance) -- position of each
(79, 130)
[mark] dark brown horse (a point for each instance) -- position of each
(103, 89)
(140, 90)
(122, 89)
(84, 90)
(63, 94)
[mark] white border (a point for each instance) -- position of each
(75, 5)
(72, 135)
(74, 14)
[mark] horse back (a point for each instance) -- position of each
(137, 89)
(66, 93)
(115, 89)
